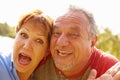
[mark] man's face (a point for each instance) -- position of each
(70, 45)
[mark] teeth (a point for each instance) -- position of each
(63, 53)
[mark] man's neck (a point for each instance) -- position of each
(74, 72)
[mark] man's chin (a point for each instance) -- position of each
(64, 67)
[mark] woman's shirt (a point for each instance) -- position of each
(7, 69)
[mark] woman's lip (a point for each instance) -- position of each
(24, 59)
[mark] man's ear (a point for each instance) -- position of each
(94, 40)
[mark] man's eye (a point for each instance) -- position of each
(56, 33)
(39, 41)
(75, 34)
(23, 35)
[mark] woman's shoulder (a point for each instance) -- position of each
(5, 58)
(6, 67)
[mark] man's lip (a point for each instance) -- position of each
(63, 53)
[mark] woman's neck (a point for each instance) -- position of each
(24, 76)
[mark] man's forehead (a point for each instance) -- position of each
(72, 15)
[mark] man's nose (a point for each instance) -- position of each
(63, 40)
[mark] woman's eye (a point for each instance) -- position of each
(23, 35)
(39, 41)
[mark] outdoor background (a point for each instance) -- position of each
(105, 12)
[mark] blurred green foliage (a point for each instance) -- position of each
(106, 40)
(109, 42)
(6, 30)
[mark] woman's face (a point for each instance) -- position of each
(30, 46)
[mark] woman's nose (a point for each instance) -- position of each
(28, 44)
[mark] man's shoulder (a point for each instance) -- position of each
(46, 71)
(101, 61)
(104, 55)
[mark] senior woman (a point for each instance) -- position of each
(30, 47)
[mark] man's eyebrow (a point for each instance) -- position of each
(75, 28)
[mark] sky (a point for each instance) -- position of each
(105, 12)
(6, 44)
